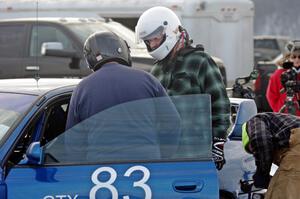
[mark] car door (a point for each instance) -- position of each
(12, 42)
(49, 66)
(139, 149)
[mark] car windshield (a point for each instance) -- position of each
(266, 43)
(143, 130)
(12, 106)
(83, 30)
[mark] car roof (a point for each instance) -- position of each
(271, 37)
(35, 86)
(56, 20)
(137, 50)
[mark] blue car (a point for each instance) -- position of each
(140, 149)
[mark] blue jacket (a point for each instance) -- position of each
(113, 125)
(112, 84)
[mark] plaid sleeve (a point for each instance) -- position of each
(261, 142)
(211, 79)
(155, 71)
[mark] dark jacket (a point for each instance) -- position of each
(112, 84)
(114, 123)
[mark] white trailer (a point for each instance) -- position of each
(224, 27)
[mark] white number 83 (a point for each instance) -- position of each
(113, 176)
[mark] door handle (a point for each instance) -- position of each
(188, 186)
(32, 68)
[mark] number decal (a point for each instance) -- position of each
(107, 185)
(141, 183)
(113, 176)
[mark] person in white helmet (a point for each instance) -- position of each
(183, 69)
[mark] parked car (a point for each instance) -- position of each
(52, 47)
(26, 41)
(268, 47)
(40, 159)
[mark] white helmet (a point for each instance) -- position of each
(157, 21)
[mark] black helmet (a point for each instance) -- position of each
(103, 47)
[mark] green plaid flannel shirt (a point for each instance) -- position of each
(197, 73)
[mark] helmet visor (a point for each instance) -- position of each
(157, 33)
(157, 37)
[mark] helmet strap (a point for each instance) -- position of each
(186, 36)
(183, 41)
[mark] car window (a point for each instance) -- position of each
(12, 106)
(266, 43)
(11, 40)
(41, 34)
(44, 126)
(55, 121)
(83, 30)
(143, 130)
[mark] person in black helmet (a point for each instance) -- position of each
(112, 85)
(113, 81)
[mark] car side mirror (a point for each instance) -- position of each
(55, 49)
(51, 46)
(34, 153)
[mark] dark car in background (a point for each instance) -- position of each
(268, 47)
(52, 47)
